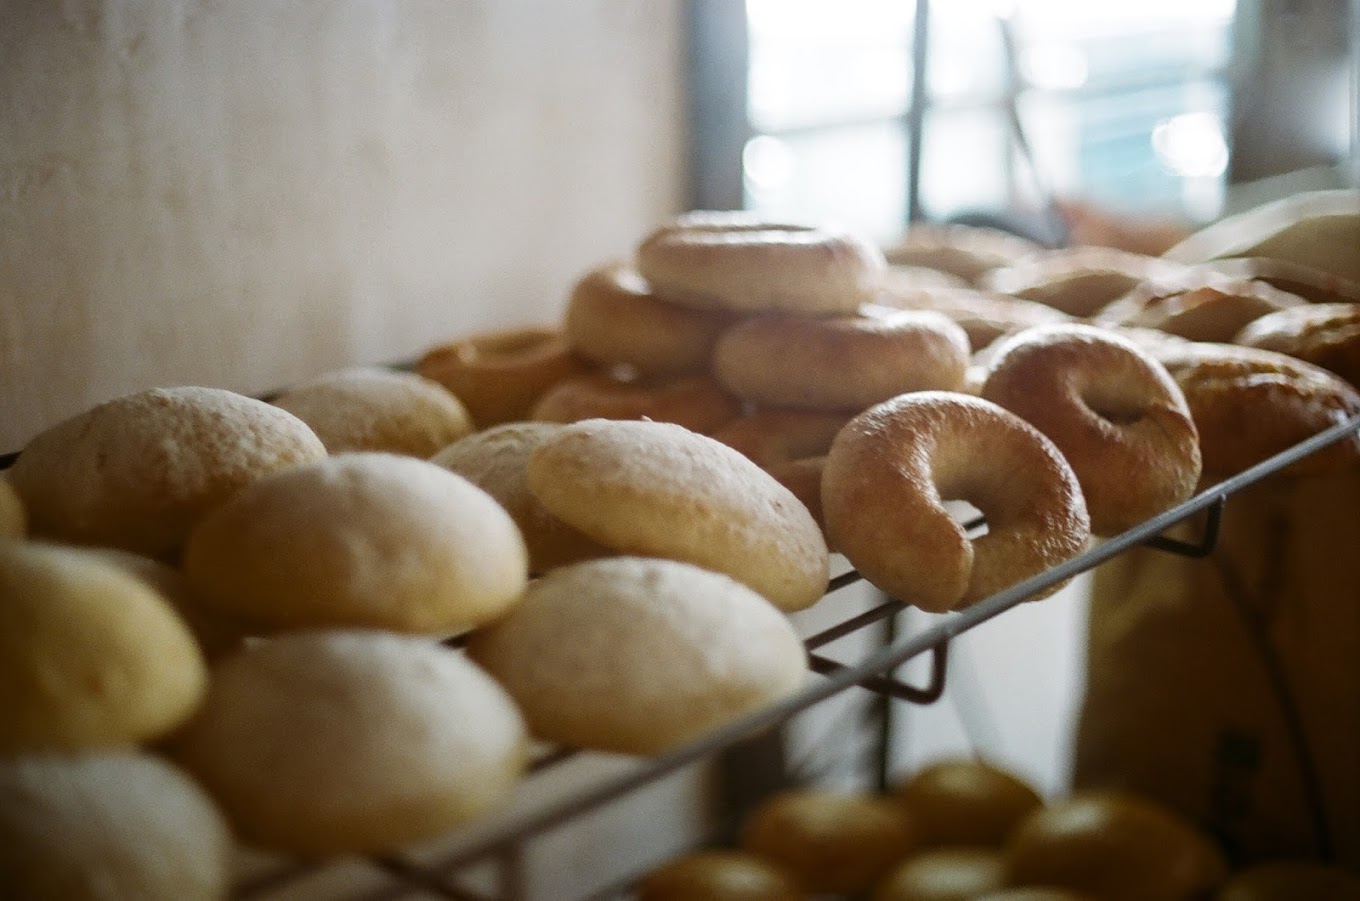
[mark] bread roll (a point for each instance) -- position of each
(637, 655)
(90, 656)
(496, 460)
(373, 540)
(114, 826)
(138, 472)
(966, 802)
(657, 489)
(375, 409)
(718, 875)
(331, 742)
(944, 874)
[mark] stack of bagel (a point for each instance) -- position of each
(335, 621)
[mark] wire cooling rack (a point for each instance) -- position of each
(500, 840)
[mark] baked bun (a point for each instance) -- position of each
(942, 874)
(372, 540)
(718, 875)
(374, 409)
(334, 742)
(637, 655)
(496, 460)
(659, 490)
(1326, 335)
(614, 318)
(113, 825)
(499, 375)
(13, 519)
(138, 472)
(832, 841)
(720, 260)
(966, 803)
(1114, 846)
(890, 470)
(90, 656)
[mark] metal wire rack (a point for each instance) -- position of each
(501, 841)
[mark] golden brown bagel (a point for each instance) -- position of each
(891, 467)
(737, 262)
(1114, 412)
(966, 251)
(1078, 280)
(840, 362)
(696, 402)
(498, 375)
(1326, 335)
(986, 316)
(614, 318)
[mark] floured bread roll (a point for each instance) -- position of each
(637, 655)
(496, 460)
(332, 742)
(365, 539)
(659, 490)
(13, 519)
(375, 409)
(90, 656)
(138, 472)
(116, 825)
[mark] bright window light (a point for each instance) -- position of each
(1191, 145)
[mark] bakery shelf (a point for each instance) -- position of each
(495, 843)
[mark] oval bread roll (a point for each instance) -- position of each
(496, 460)
(966, 802)
(116, 825)
(637, 655)
(331, 742)
(369, 540)
(373, 409)
(719, 874)
(659, 490)
(90, 656)
(138, 472)
(943, 874)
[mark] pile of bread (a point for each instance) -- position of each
(335, 621)
(965, 829)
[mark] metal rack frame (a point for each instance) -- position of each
(504, 842)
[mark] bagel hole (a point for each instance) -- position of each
(967, 515)
(1115, 410)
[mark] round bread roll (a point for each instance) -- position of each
(334, 742)
(659, 490)
(943, 874)
(366, 539)
(710, 260)
(374, 409)
(114, 826)
(90, 656)
(1291, 880)
(966, 251)
(966, 802)
(13, 519)
(831, 841)
(496, 460)
(637, 655)
(840, 362)
(891, 469)
(1326, 335)
(499, 375)
(696, 402)
(613, 318)
(138, 472)
(1113, 411)
(718, 875)
(1034, 893)
(1114, 846)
